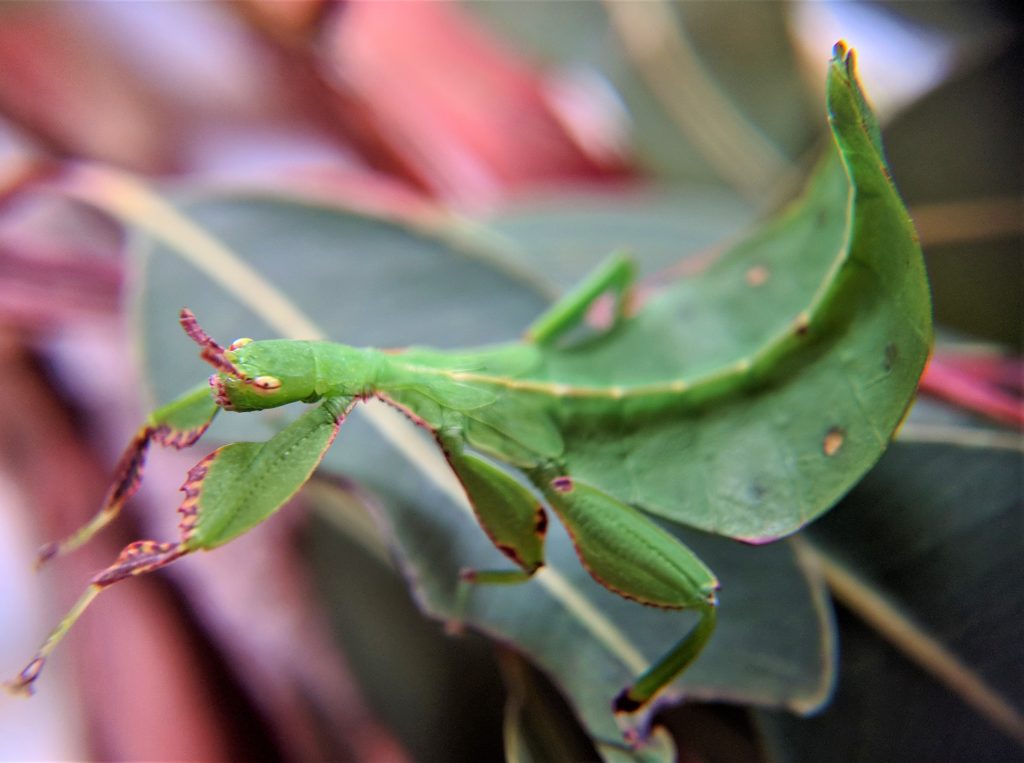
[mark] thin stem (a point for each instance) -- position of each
(915, 642)
(665, 59)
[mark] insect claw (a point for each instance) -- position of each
(188, 321)
(24, 684)
(46, 552)
(625, 703)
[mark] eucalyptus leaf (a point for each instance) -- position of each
(562, 238)
(936, 532)
(758, 660)
(823, 311)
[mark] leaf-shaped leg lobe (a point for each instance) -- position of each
(178, 424)
(628, 554)
(509, 513)
(239, 485)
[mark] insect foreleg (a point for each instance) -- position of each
(615, 274)
(239, 485)
(228, 492)
(136, 558)
(178, 424)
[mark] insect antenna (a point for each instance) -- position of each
(212, 352)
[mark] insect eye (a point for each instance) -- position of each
(239, 343)
(266, 383)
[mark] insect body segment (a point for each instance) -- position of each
(275, 372)
(674, 411)
(241, 484)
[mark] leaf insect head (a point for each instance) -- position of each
(253, 375)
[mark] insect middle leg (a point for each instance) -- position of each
(508, 512)
(615, 274)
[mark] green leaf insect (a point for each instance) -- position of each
(805, 372)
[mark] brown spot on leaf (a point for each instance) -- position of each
(757, 275)
(802, 325)
(833, 441)
(892, 354)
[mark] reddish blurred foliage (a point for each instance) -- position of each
(989, 384)
(61, 84)
(293, 23)
(467, 114)
(142, 646)
(59, 260)
(394, 107)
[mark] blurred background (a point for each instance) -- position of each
(522, 118)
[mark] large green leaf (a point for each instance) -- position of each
(934, 533)
(369, 281)
(804, 341)
(694, 110)
(755, 660)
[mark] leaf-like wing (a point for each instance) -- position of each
(801, 348)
